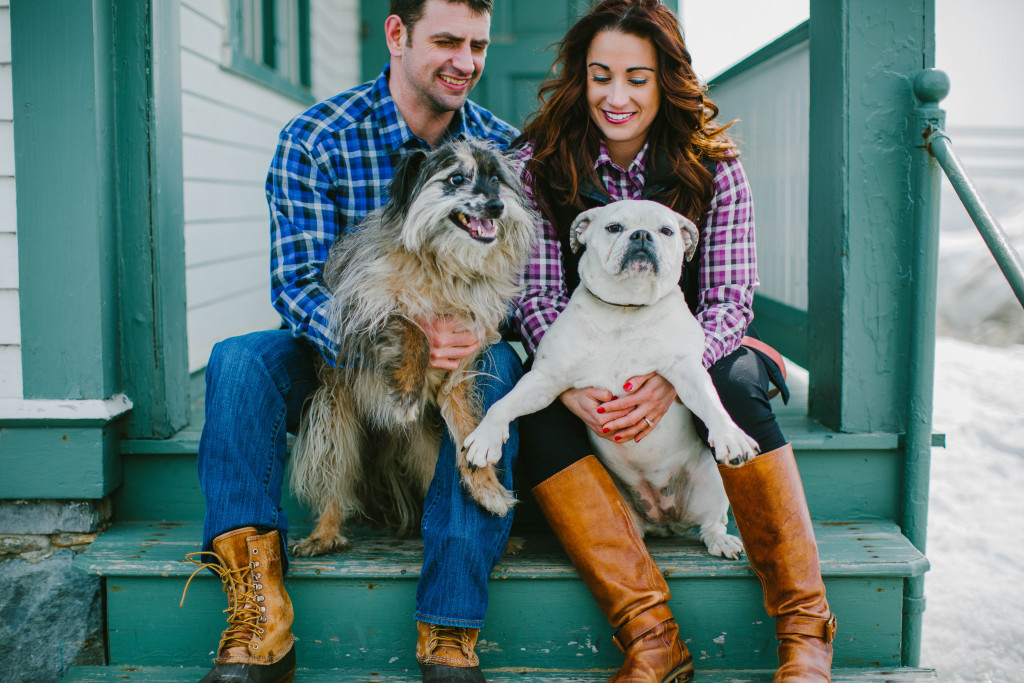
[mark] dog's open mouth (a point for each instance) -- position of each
(480, 229)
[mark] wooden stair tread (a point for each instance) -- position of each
(861, 548)
(161, 674)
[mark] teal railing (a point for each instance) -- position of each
(935, 153)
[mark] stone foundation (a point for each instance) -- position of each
(50, 615)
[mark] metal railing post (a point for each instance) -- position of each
(930, 86)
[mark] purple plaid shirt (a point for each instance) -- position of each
(728, 263)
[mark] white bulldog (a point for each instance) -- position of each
(627, 318)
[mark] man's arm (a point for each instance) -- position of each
(303, 222)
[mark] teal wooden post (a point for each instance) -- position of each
(154, 349)
(930, 86)
(67, 219)
(97, 142)
(864, 56)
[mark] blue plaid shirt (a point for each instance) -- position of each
(332, 167)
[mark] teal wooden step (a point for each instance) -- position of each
(80, 674)
(846, 476)
(356, 609)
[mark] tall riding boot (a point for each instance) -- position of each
(258, 645)
(591, 521)
(770, 508)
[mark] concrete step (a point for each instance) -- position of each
(190, 675)
(357, 607)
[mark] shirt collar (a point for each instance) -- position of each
(637, 169)
(394, 131)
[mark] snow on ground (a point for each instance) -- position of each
(974, 622)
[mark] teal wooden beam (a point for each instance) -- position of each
(150, 202)
(864, 56)
(63, 92)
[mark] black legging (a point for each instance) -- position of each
(554, 438)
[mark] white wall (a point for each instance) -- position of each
(230, 126)
(10, 324)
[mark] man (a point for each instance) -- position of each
(332, 167)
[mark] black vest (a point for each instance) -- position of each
(658, 188)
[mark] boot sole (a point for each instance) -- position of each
(682, 674)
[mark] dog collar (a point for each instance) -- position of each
(611, 303)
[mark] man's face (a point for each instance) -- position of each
(441, 61)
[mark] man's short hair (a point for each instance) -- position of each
(410, 11)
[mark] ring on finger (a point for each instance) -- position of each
(649, 423)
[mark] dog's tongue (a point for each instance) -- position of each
(482, 228)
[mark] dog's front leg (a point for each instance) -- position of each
(697, 392)
(536, 390)
(405, 359)
(460, 411)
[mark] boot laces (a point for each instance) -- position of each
(244, 612)
(449, 636)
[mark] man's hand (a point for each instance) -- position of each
(449, 341)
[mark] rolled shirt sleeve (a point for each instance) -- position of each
(728, 270)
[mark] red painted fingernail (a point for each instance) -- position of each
(627, 386)
(617, 438)
(606, 430)
(600, 409)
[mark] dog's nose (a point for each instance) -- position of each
(641, 236)
(494, 208)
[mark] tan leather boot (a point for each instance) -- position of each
(591, 520)
(258, 645)
(770, 508)
(445, 653)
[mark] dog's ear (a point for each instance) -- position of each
(688, 231)
(403, 182)
(577, 233)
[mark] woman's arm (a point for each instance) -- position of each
(728, 264)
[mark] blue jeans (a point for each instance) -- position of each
(256, 385)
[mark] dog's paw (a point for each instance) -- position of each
(407, 406)
(483, 445)
(724, 545)
(514, 545)
(732, 446)
(316, 545)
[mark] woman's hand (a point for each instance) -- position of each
(647, 396)
(585, 403)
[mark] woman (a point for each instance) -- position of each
(625, 117)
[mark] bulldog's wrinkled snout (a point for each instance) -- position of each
(642, 238)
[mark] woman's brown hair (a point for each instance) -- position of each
(565, 140)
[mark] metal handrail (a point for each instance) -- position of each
(1009, 261)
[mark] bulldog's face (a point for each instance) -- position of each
(634, 250)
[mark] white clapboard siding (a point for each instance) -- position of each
(10, 331)
(771, 102)
(8, 206)
(204, 241)
(335, 46)
(219, 160)
(221, 279)
(230, 125)
(210, 324)
(10, 317)
(208, 201)
(8, 261)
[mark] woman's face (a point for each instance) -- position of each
(623, 94)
